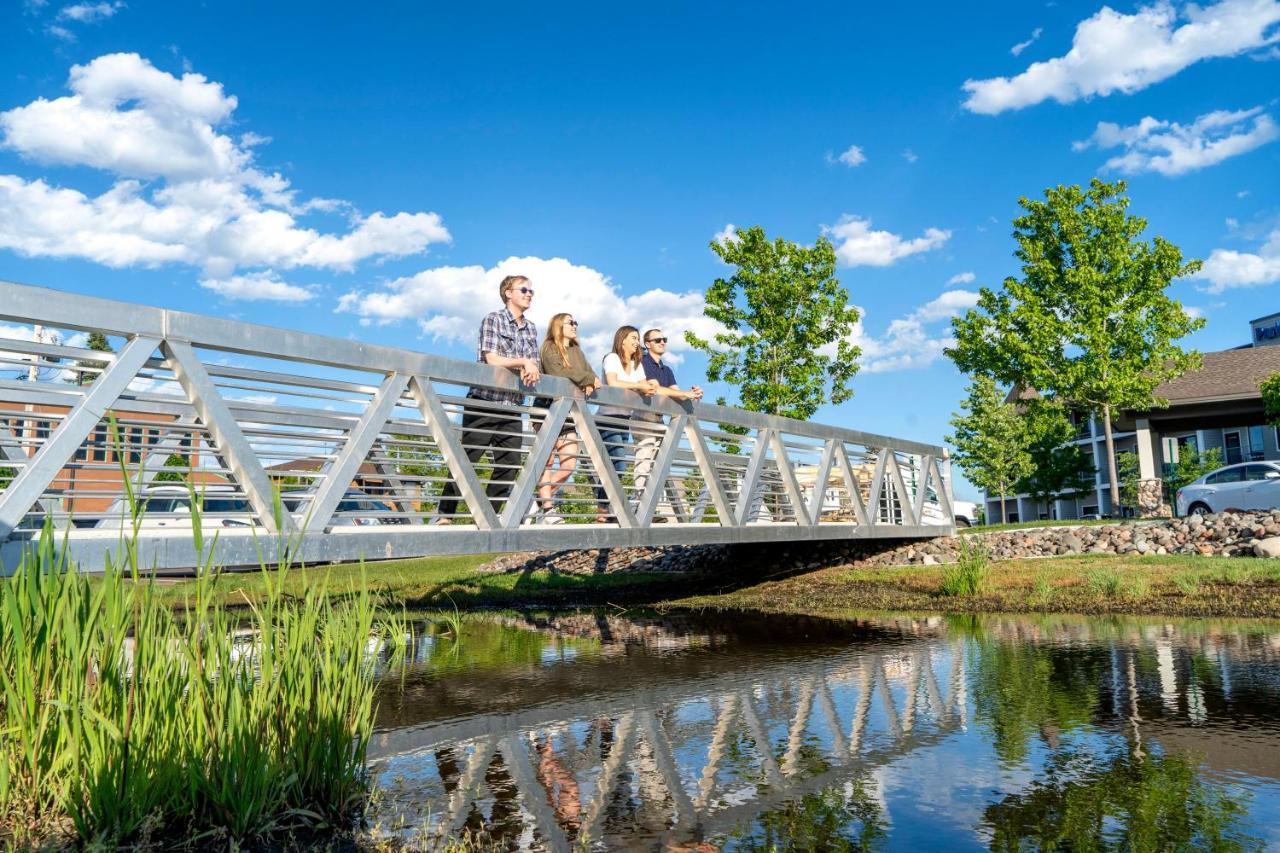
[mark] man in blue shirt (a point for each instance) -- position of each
(649, 438)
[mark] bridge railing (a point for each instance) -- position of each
(284, 432)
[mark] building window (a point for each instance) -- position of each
(99, 451)
(1257, 448)
(1089, 509)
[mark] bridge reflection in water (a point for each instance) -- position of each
(744, 733)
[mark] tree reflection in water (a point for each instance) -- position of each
(839, 819)
(1086, 802)
(1020, 733)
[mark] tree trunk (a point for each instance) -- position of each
(1004, 500)
(1111, 460)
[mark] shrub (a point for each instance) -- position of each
(1187, 582)
(1104, 582)
(1041, 589)
(968, 574)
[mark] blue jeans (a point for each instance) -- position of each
(616, 443)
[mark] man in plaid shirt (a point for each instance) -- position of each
(507, 339)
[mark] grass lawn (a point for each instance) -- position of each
(1171, 585)
(428, 583)
(1028, 525)
(1087, 584)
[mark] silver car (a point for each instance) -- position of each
(1248, 486)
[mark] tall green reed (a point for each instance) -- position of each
(126, 720)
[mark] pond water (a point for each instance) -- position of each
(745, 732)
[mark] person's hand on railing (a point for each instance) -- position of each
(529, 372)
(648, 388)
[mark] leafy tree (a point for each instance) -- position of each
(1089, 320)
(1129, 473)
(174, 460)
(1193, 464)
(787, 322)
(1270, 389)
(98, 343)
(990, 440)
(6, 474)
(1056, 465)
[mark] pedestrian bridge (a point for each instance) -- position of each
(280, 433)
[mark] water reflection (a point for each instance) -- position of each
(585, 730)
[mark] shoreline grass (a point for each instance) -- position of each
(1173, 585)
(1088, 584)
(126, 721)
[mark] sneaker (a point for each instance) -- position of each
(551, 518)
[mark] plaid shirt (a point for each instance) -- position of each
(499, 333)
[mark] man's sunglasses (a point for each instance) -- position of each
(656, 341)
(527, 291)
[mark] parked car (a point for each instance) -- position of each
(170, 507)
(965, 512)
(1247, 486)
(356, 509)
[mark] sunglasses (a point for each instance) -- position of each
(527, 291)
(573, 323)
(656, 341)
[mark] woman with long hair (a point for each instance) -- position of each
(562, 356)
(622, 369)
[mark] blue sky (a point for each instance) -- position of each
(372, 173)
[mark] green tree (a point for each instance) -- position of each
(787, 323)
(1056, 465)
(98, 343)
(1089, 321)
(174, 460)
(990, 440)
(1270, 389)
(1129, 475)
(1193, 464)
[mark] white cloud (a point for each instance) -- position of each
(851, 156)
(961, 278)
(1018, 48)
(60, 33)
(1227, 269)
(89, 13)
(183, 191)
(1172, 149)
(727, 235)
(907, 343)
(1242, 194)
(1115, 52)
(910, 156)
(1232, 223)
(449, 302)
(263, 286)
(858, 245)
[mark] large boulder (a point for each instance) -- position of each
(1269, 547)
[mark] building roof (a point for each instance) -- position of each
(1229, 373)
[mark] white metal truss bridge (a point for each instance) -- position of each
(282, 433)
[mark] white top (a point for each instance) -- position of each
(613, 364)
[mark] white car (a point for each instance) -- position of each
(169, 507)
(1247, 486)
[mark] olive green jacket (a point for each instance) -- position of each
(576, 370)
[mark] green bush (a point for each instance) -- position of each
(968, 574)
(1104, 582)
(135, 724)
(1187, 582)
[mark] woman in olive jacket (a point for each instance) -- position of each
(561, 356)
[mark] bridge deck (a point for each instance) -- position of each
(355, 444)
